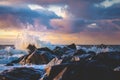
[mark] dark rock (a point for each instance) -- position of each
(87, 67)
(45, 49)
(20, 74)
(9, 64)
(116, 75)
(54, 71)
(112, 59)
(68, 71)
(40, 56)
(65, 48)
(102, 46)
(67, 59)
(80, 52)
(58, 51)
(72, 46)
(95, 70)
(31, 48)
(92, 53)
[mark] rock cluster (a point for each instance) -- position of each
(70, 63)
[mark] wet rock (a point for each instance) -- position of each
(58, 51)
(54, 71)
(116, 75)
(112, 59)
(92, 53)
(102, 46)
(45, 49)
(31, 48)
(95, 70)
(20, 74)
(80, 52)
(9, 64)
(72, 46)
(67, 71)
(40, 56)
(67, 59)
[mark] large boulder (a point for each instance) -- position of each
(21, 74)
(95, 70)
(39, 56)
(91, 70)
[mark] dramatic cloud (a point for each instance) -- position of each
(83, 20)
(26, 16)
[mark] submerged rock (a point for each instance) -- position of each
(21, 74)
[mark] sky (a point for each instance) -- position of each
(61, 21)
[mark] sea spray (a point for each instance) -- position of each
(24, 39)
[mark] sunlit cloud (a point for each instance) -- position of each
(93, 25)
(108, 3)
(59, 10)
(35, 7)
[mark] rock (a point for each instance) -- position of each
(54, 61)
(20, 74)
(45, 49)
(102, 46)
(65, 49)
(67, 59)
(31, 48)
(95, 70)
(80, 52)
(68, 71)
(9, 64)
(116, 75)
(40, 56)
(85, 67)
(112, 59)
(72, 46)
(58, 51)
(54, 71)
(92, 53)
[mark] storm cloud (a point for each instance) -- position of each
(25, 16)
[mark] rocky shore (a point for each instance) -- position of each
(66, 63)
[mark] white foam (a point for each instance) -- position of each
(2, 67)
(96, 49)
(24, 39)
